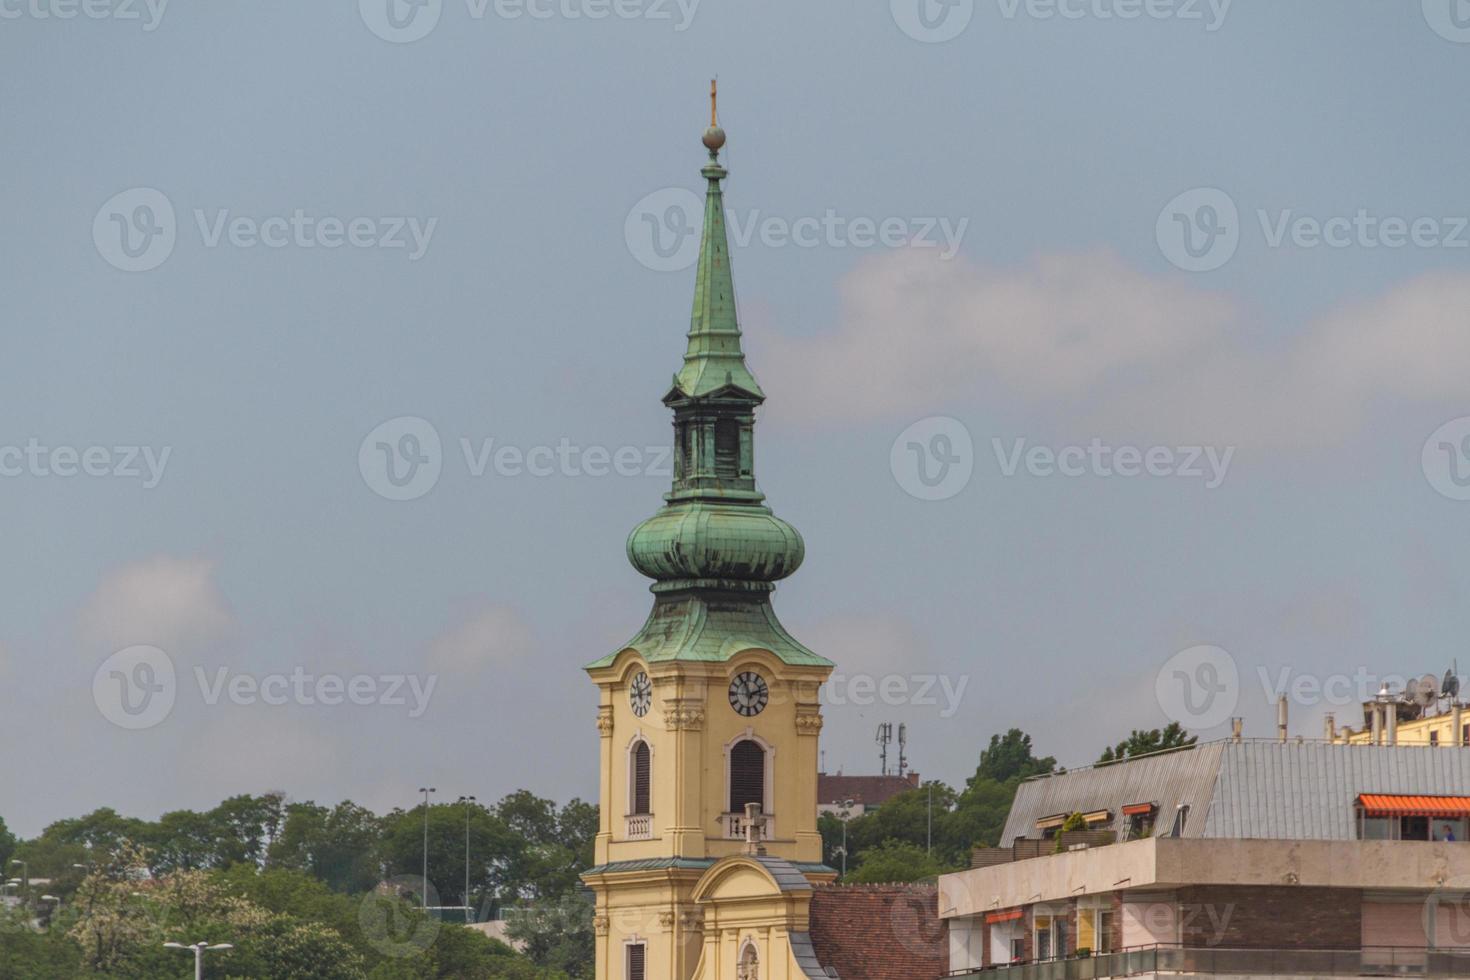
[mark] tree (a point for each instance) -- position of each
(1010, 757)
(1144, 742)
(895, 861)
(340, 846)
(7, 844)
(557, 934)
(496, 853)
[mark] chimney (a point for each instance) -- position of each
(1457, 737)
(913, 779)
(1330, 727)
(1392, 714)
(1237, 725)
(1377, 709)
(1281, 718)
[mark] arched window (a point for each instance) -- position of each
(642, 776)
(747, 776)
(727, 448)
(749, 967)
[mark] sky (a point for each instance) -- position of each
(1115, 352)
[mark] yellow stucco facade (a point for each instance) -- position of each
(683, 885)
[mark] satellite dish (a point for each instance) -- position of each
(1428, 691)
(1411, 689)
(1450, 686)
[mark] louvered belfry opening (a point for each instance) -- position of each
(636, 955)
(747, 776)
(642, 774)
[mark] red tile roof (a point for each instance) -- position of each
(880, 932)
(870, 790)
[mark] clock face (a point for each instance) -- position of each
(749, 694)
(640, 694)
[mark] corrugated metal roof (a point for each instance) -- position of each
(1270, 790)
(1307, 791)
(1168, 779)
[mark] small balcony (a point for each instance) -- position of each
(640, 826)
(734, 824)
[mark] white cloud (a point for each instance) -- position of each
(1088, 336)
(165, 601)
(487, 636)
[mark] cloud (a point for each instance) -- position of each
(164, 601)
(487, 636)
(1088, 336)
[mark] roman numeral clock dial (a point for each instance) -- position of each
(749, 694)
(640, 694)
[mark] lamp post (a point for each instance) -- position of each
(25, 872)
(199, 949)
(844, 814)
(424, 887)
(466, 800)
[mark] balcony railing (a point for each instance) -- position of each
(1368, 961)
(640, 826)
(735, 826)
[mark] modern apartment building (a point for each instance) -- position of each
(1230, 859)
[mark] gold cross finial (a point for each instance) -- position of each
(714, 119)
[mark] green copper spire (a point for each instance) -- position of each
(715, 550)
(714, 359)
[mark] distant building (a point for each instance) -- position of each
(1235, 858)
(867, 793)
(1426, 711)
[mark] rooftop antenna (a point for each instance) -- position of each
(885, 736)
(1450, 686)
(903, 741)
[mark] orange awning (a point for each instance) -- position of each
(1387, 805)
(1134, 809)
(993, 917)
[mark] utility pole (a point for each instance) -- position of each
(424, 887)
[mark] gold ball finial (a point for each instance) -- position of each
(714, 137)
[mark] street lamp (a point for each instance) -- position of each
(843, 814)
(424, 888)
(199, 949)
(25, 871)
(466, 800)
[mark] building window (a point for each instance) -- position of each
(1050, 937)
(642, 775)
(637, 955)
(749, 967)
(1181, 817)
(1434, 738)
(1140, 820)
(747, 776)
(727, 448)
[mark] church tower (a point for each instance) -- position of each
(708, 844)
